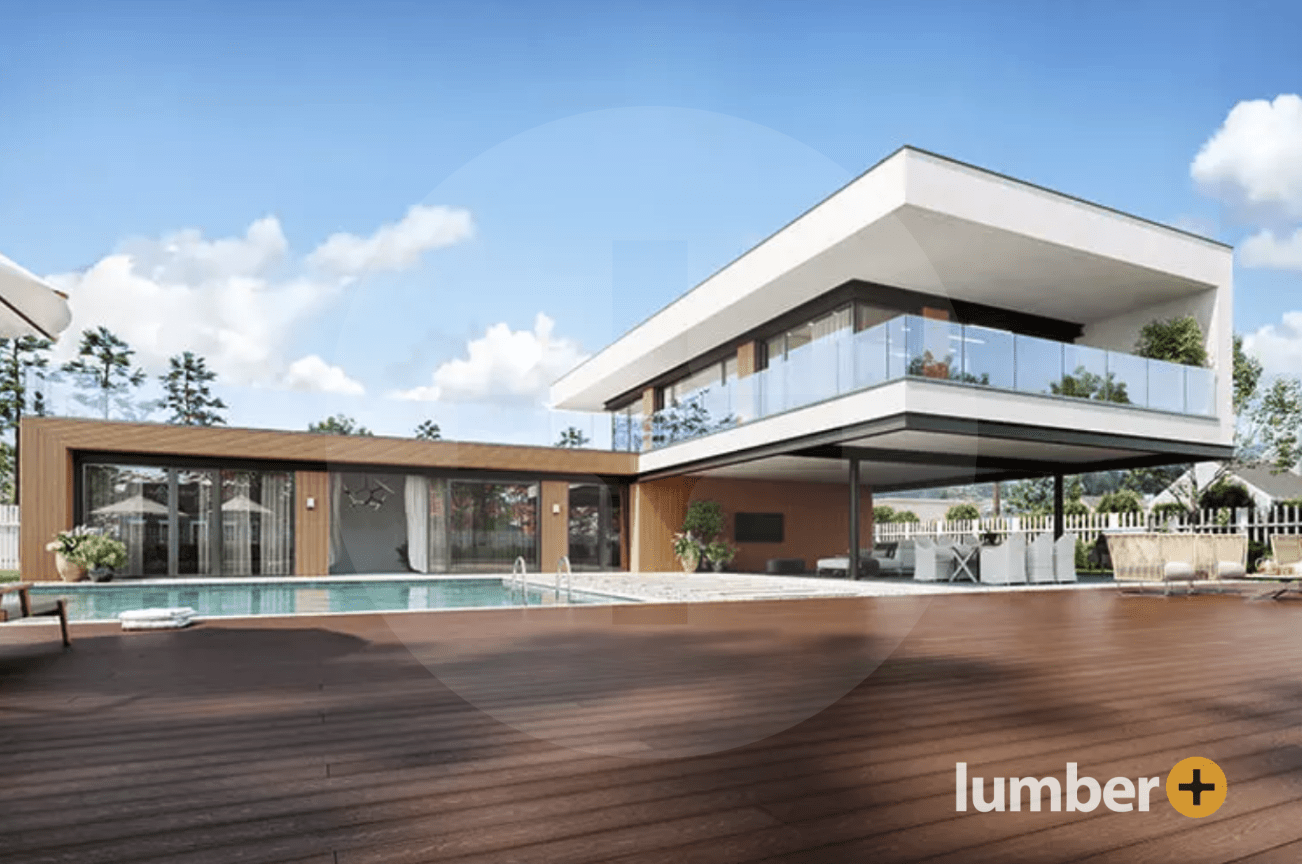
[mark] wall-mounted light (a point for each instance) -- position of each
(311, 504)
(556, 509)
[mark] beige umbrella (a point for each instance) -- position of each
(133, 506)
(244, 504)
(28, 305)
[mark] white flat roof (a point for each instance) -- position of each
(922, 222)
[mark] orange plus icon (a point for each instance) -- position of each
(1196, 787)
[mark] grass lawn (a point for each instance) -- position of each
(8, 575)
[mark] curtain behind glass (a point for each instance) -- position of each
(237, 524)
(277, 499)
(440, 548)
(336, 526)
(416, 499)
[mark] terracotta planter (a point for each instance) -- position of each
(68, 571)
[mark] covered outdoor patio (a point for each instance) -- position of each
(810, 731)
(916, 450)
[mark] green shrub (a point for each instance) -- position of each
(1176, 340)
(1225, 493)
(905, 516)
(1169, 510)
(704, 521)
(962, 512)
(883, 515)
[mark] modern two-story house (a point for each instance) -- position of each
(930, 323)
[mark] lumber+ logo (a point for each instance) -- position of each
(1195, 787)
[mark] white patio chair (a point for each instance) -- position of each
(1064, 558)
(1005, 564)
(932, 562)
(1039, 558)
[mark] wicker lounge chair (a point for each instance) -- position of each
(1039, 558)
(1064, 558)
(1170, 558)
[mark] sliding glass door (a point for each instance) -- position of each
(194, 521)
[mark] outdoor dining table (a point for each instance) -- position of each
(967, 556)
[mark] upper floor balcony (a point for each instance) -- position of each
(909, 346)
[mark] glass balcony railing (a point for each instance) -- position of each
(910, 346)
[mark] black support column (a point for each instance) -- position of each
(1057, 506)
(852, 569)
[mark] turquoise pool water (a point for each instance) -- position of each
(91, 601)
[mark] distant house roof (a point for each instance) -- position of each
(1278, 486)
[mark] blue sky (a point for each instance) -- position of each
(586, 162)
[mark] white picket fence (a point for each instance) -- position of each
(8, 536)
(1257, 523)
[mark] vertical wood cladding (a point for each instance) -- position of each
(554, 527)
(311, 527)
(815, 516)
(49, 445)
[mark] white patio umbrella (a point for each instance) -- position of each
(135, 505)
(244, 504)
(29, 306)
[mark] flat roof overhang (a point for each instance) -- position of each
(913, 450)
(924, 223)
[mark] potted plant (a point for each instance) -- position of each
(101, 555)
(688, 551)
(65, 546)
(720, 554)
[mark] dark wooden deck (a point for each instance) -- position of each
(809, 731)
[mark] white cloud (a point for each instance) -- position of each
(1255, 158)
(237, 301)
(395, 246)
(505, 364)
(313, 374)
(1264, 249)
(1278, 346)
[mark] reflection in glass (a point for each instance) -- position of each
(1128, 375)
(1165, 386)
(130, 503)
(1038, 364)
(1086, 376)
(595, 522)
(987, 357)
(1200, 391)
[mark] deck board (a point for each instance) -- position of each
(811, 730)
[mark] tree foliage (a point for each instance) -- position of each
(187, 394)
(883, 515)
(1121, 501)
(572, 438)
(339, 424)
(962, 512)
(1225, 493)
(1035, 497)
(1083, 384)
(1175, 340)
(102, 369)
(18, 358)
(1278, 416)
(428, 430)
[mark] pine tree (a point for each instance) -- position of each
(428, 430)
(339, 424)
(187, 394)
(103, 364)
(19, 357)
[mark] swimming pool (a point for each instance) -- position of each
(234, 597)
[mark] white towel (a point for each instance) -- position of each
(156, 619)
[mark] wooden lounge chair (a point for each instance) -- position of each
(1285, 567)
(27, 608)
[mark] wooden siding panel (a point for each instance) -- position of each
(311, 527)
(554, 527)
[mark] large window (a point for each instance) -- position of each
(596, 525)
(166, 518)
(417, 523)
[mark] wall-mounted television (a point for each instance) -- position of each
(758, 528)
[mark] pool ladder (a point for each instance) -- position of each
(519, 568)
(564, 565)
